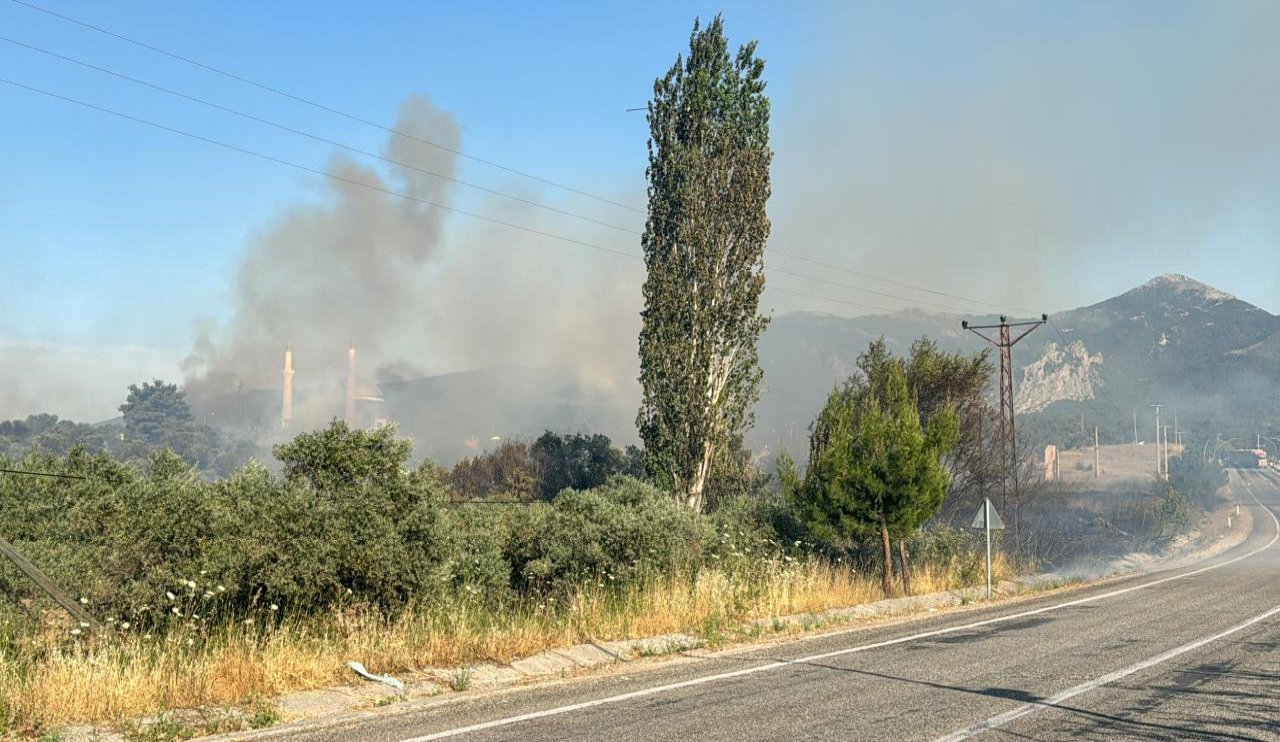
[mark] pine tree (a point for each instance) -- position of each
(873, 469)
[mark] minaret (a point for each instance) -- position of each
(351, 386)
(286, 407)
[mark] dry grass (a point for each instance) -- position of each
(56, 681)
(1120, 463)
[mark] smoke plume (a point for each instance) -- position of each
(420, 290)
(346, 269)
(1035, 155)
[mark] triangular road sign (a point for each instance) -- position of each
(980, 522)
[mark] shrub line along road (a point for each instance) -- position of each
(1186, 654)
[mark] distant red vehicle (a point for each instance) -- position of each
(1245, 458)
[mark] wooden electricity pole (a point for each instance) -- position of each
(1097, 459)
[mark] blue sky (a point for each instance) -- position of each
(125, 233)
(1044, 154)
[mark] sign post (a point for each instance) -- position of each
(987, 518)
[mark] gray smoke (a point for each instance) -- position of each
(1038, 155)
(345, 269)
(420, 290)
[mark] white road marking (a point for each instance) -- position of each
(996, 722)
(769, 667)
(1000, 720)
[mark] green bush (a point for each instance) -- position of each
(625, 529)
(347, 521)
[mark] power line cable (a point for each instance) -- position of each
(903, 284)
(773, 287)
(315, 171)
(398, 194)
(866, 291)
(397, 132)
(309, 135)
(366, 153)
(512, 225)
(321, 106)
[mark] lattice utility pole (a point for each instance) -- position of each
(1008, 444)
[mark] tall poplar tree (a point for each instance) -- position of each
(704, 252)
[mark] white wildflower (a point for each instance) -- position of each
(84, 600)
(170, 595)
(75, 632)
(275, 607)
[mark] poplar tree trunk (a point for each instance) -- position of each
(888, 560)
(906, 565)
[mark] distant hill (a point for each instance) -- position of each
(1172, 340)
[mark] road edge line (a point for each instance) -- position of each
(704, 679)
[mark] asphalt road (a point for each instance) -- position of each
(1186, 654)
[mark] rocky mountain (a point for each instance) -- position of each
(1172, 340)
(1063, 373)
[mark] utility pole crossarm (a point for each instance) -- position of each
(976, 330)
(1027, 331)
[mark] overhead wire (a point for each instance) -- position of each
(829, 282)
(311, 136)
(320, 106)
(314, 171)
(341, 145)
(464, 212)
(530, 202)
(349, 148)
(895, 282)
(773, 287)
(407, 135)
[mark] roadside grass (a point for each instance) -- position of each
(50, 680)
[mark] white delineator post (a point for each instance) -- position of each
(986, 524)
